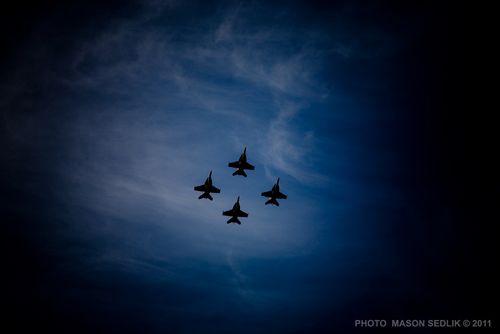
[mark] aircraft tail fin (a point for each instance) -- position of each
(234, 220)
(205, 195)
(240, 172)
(272, 201)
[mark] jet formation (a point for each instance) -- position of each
(241, 164)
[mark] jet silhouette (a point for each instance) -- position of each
(235, 212)
(207, 188)
(274, 194)
(241, 164)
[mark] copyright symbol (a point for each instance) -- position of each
(466, 323)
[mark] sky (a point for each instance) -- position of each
(112, 113)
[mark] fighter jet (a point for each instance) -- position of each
(274, 194)
(207, 188)
(235, 212)
(241, 164)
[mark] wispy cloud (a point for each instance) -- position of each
(290, 150)
(132, 56)
(167, 112)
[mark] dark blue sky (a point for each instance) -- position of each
(112, 113)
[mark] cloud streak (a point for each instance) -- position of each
(133, 57)
(144, 110)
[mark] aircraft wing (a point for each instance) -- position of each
(267, 194)
(214, 189)
(200, 188)
(280, 195)
(234, 164)
(241, 214)
(229, 213)
(246, 165)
